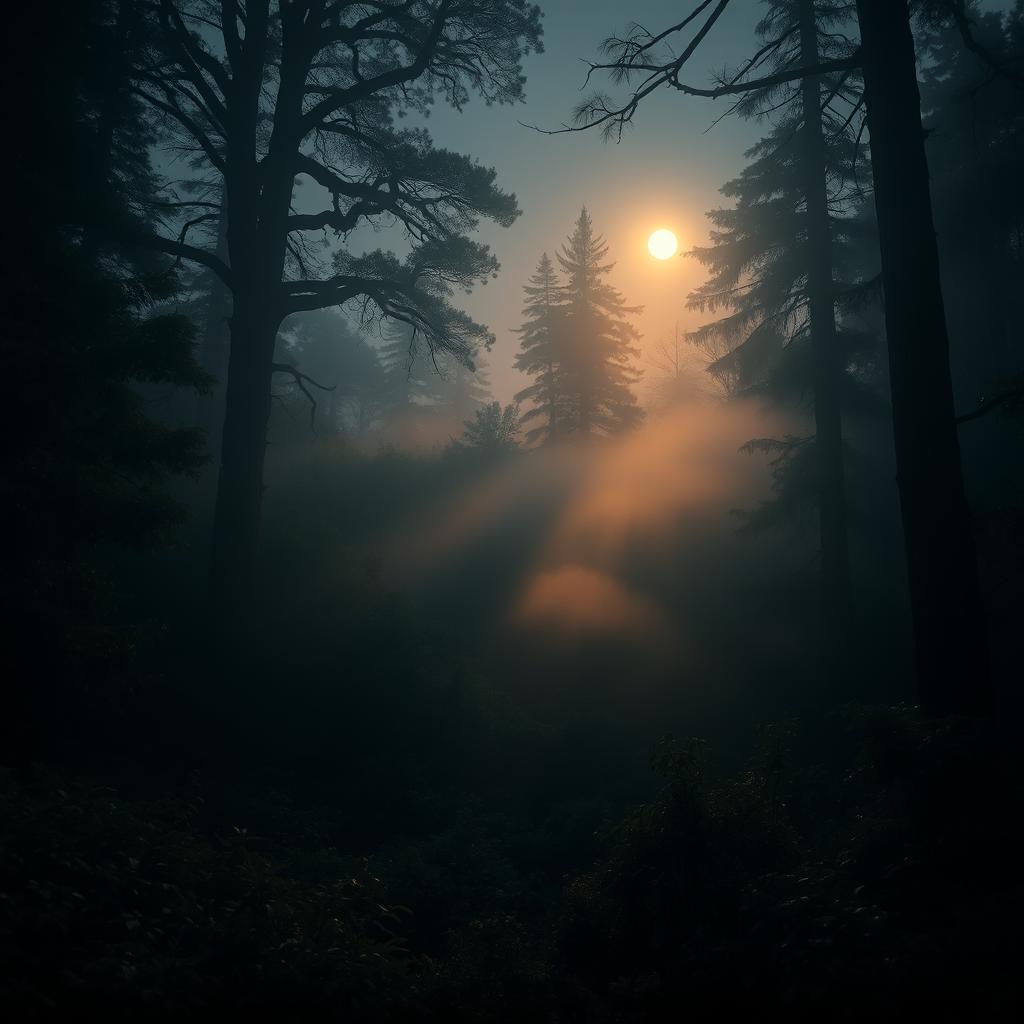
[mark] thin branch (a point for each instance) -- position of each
(302, 379)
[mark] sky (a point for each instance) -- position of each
(665, 173)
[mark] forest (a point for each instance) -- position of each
(516, 511)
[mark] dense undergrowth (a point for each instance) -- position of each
(883, 882)
(370, 816)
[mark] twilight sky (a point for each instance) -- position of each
(665, 173)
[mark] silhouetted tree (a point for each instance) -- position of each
(949, 621)
(493, 429)
(267, 92)
(949, 628)
(540, 339)
(85, 459)
(774, 266)
(598, 353)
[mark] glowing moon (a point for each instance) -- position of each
(662, 245)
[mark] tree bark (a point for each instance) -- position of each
(835, 560)
(258, 196)
(952, 658)
(216, 338)
(243, 449)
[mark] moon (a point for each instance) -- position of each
(662, 245)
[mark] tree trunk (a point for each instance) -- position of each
(949, 625)
(257, 197)
(835, 561)
(113, 80)
(243, 448)
(216, 338)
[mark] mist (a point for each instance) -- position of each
(514, 512)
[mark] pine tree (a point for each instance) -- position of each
(86, 458)
(269, 92)
(951, 648)
(540, 337)
(775, 260)
(493, 429)
(597, 369)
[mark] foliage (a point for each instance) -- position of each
(125, 907)
(354, 77)
(578, 344)
(599, 347)
(99, 352)
(494, 429)
(759, 259)
(539, 355)
(787, 887)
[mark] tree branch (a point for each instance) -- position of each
(302, 379)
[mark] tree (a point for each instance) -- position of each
(597, 347)
(539, 356)
(265, 93)
(949, 627)
(949, 621)
(85, 460)
(91, 468)
(774, 264)
(976, 160)
(493, 429)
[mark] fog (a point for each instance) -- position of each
(424, 602)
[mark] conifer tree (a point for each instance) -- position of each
(597, 370)
(951, 646)
(775, 260)
(265, 93)
(493, 429)
(539, 354)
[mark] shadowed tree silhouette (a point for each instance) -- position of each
(597, 368)
(951, 645)
(268, 92)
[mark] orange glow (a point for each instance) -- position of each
(583, 518)
(642, 488)
(574, 599)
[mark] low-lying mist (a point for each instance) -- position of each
(618, 578)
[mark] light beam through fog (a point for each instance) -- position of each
(585, 517)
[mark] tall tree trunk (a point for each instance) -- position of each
(216, 338)
(258, 197)
(243, 448)
(835, 560)
(952, 656)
